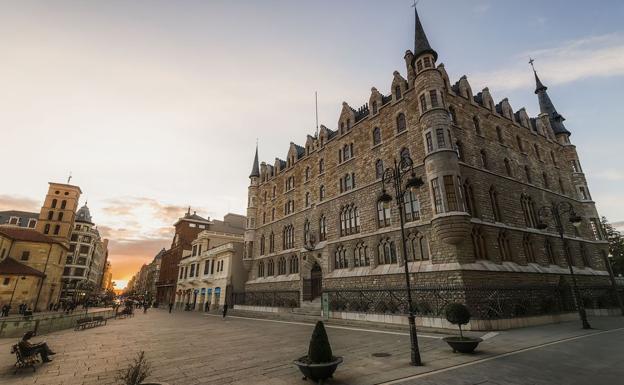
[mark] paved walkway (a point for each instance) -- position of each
(193, 348)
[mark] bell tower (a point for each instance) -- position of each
(57, 215)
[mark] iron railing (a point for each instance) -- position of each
(484, 302)
(288, 299)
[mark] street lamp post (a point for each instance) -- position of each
(15, 288)
(555, 211)
(614, 283)
(394, 176)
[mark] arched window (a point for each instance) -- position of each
(46, 229)
(274, 191)
(484, 159)
(54, 201)
(383, 214)
(528, 209)
(508, 168)
(321, 166)
(322, 228)
(270, 268)
(504, 247)
(60, 216)
(553, 158)
(397, 92)
(376, 136)
(538, 154)
(273, 214)
(424, 247)
(306, 231)
(452, 115)
(584, 256)
(379, 169)
(57, 228)
(281, 266)
(340, 258)
(520, 145)
(272, 243)
(527, 246)
(561, 187)
(294, 265)
(347, 182)
(349, 220)
(550, 254)
(261, 269)
(288, 237)
(307, 173)
(527, 173)
(63, 204)
(459, 147)
(499, 135)
(478, 243)
(545, 181)
(321, 193)
(471, 203)
(262, 242)
(494, 203)
(265, 196)
(50, 214)
(477, 125)
(307, 199)
(411, 206)
(386, 252)
(361, 255)
(400, 123)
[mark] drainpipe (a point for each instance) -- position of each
(43, 278)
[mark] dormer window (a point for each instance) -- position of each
(397, 92)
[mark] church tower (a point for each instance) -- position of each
(57, 215)
(450, 222)
(252, 202)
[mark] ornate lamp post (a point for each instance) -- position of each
(394, 176)
(555, 211)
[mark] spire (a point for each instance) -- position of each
(547, 106)
(255, 169)
(421, 44)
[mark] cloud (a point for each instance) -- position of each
(611, 174)
(594, 56)
(10, 202)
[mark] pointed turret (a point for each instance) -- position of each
(255, 169)
(547, 107)
(421, 44)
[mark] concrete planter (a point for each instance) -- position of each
(317, 372)
(463, 344)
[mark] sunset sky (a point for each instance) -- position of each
(156, 105)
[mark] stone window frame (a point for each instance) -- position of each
(341, 260)
(411, 206)
(361, 257)
(400, 123)
(376, 136)
(349, 220)
(322, 228)
(261, 269)
(281, 265)
(384, 216)
(527, 246)
(479, 244)
(494, 204)
(504, 246)
(386, 252)
(379, 169)
(293, 265)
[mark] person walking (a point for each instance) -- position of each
(170, 306)
(225, 309)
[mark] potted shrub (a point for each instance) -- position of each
(458, 314)
(320, 364)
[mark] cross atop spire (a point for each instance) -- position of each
(421, 44)
(255, 169)
(538, 83)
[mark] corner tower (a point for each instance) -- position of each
(252, 201)
(450, 222)
(57, 215)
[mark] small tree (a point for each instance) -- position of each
(616, 246)
(319, 351)
(457, 314)
(136, 372)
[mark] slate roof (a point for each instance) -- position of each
(255, 169)
(10, 266)
(27, 235)
(421, 43)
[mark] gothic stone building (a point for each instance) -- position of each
(314, 222)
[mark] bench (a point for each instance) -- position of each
(125, 313)
(23, 360)
(89, 322)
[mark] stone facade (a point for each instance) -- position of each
(486, 171)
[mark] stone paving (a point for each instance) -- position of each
(193, 348)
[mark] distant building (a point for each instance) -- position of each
(19, 218)
(107, 277)
(84, 263)
(213, 269)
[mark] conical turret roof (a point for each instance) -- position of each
(255, 169)
(421, 43)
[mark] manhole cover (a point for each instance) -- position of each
(382, 354)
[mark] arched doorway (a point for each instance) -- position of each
(316, 281)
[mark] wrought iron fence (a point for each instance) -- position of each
(484, 302)
(288, 299)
